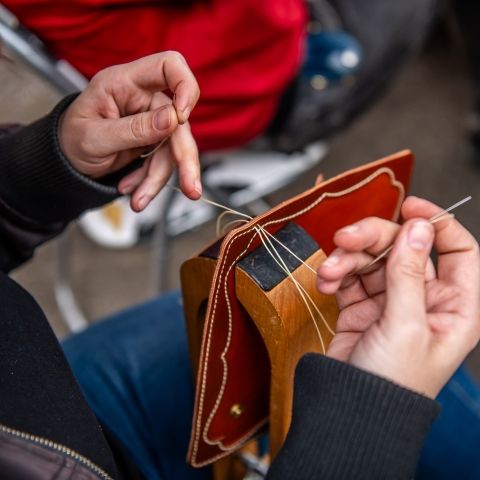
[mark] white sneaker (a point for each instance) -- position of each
(113, 226)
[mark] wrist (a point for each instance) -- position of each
(65, 142)
(361, 422)
(416, 377)
(38, 182)
(60, 136)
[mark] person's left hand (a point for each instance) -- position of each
(404, 319)
(123, 111)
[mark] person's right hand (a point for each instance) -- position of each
(402, 320)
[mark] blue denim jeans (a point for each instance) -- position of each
(134, 369)
(451, 450)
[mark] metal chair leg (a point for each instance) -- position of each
(67, 304)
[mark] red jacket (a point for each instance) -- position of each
(243, 52)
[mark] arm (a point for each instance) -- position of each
(85, 152)
(406, 323)
(39, 190)
(348, 423)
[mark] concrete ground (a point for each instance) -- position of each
(425, 111)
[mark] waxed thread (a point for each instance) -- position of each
(158, 147)
(300, 288)
(436, 218)
(275, 255)
(290, 275)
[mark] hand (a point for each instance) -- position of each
(403, 320)
(122, 112)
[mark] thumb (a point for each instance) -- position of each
(405, 271)
(132, 131)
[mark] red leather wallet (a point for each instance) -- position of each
(233, 363)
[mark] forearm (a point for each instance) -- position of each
(350, 424)
(39, 191)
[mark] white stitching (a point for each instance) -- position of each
(233, 447)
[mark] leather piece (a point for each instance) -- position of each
(234, 366)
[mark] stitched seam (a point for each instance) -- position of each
(227, 345)
(226, 451)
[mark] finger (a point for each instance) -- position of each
(372, 235)
(374, 280)
(168, 70)
(159, 99)
(359, 244)
(405, 272)
(431, 271)
(159, 171)
(139, 130)
(131, 182)
(351, 292)
(185, 154)
(340, 263)
(418, 207)
(359, 316)
(338, 269)
(458, 257)
(339, 277)
(368, 236)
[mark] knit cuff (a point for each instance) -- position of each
(348, 423)
(36, 179)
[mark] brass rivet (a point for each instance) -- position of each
(236, 410)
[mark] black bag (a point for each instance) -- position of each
(389, 33)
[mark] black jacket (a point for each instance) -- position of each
(347, 424)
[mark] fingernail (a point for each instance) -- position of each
(331, 261)
(349, 229)
(162, 119)
(420, 235)
(143, 202)
(198, 186)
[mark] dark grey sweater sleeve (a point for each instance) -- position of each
(39, 190)
(349, 424)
